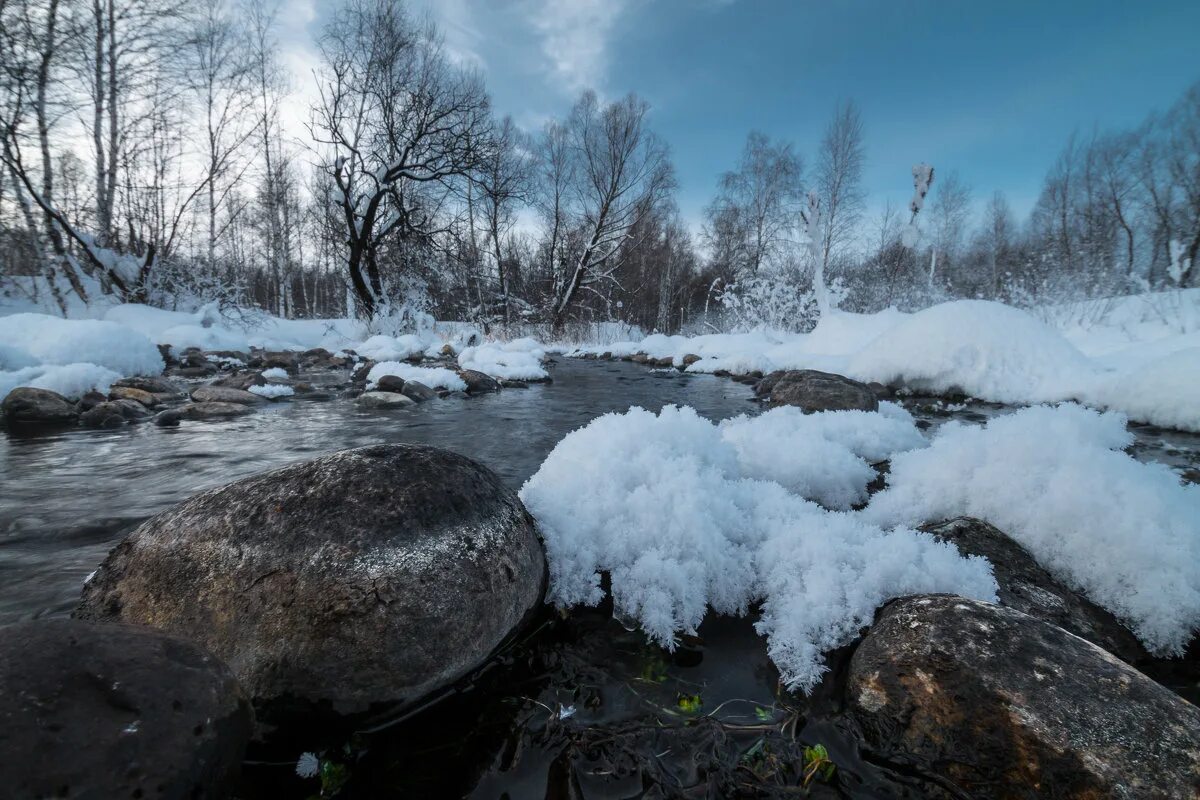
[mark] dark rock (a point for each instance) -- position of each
(168, 356)
(812, 391)
(115, 711)
(28, 406)
(389, 383)
(90, 400)
(360, 372)
(1001, 705)
(279, 359)
(241, 381)
(383, 400)
(514, 384)
(196, 372)
(224, 394)
(375, 575)
(155, 386)
(689, 359)
(881, 392)
(767, 383)
(662, 362)
(227, 356)
(1028, 588)
(417, 391)
(208, 410)
(639, 358)
(478, 382)
(113, 414)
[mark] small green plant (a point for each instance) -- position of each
(763, 714)
(690, 703)
(817, 764)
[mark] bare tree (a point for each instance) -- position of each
(950, 213)
(839, 181)
(996, 237)
(398, 122)
(503, 180)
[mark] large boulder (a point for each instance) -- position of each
(390, 383)
(478, 382)
(102, 710)
(26, 405)
(417, 391)
(147, 399)
(812, 390)
(225, 394)
(1028, 588)
(375, 575)
(113, 414)
(998, 704)
(209, 410)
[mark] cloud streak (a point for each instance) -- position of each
(575, 38)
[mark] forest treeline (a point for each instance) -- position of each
(144, 155)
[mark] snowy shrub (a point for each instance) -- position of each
(771, 301)
(1055, 479)
(665, 504)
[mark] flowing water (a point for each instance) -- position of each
(582, 707)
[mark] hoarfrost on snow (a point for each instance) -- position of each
(1055, 479)
(520, 359)
(275, 374)
(668, 505)
(433, 377)
(392, 348)
(272, 391)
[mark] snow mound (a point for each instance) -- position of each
(392, 348)
(272, 391)
(1165, 391)
(822, 457)
(71, 356)
(985, 349)
(275, 374)
(1125, 533)
(433, 377)
(520, 359)
(664, 503)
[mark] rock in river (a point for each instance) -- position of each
(113, 413)
(383, 400)
(116, 711)
(478, 382)
(812, 390)
(417, 391)
(1001, 705)
(225, 394)
(389, 383)
(37, 406)
(375, 575)
(212, 410)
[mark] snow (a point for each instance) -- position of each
(272, 391)
(392, 348)
(520, 359)
(1134, 354)
(669, 505)
(71, 357)
(1055, 479)
(433, 377)
(275, 374)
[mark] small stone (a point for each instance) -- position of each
(383, 400)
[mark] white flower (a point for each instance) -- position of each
(308, 766)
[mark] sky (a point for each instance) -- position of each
(989, 89)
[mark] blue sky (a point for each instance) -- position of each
(990, 89)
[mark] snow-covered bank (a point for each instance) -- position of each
(688, 515)
(1127, 359)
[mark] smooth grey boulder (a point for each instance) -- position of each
(998, 704)
(113, 413)
(116, 711)
(225, 394)
(812, 390)
(1027, 587)
(478, 382)
(370, 576)
(26, 405)
(417, 391)
(383, 400)
(208, 410)
(242, 380)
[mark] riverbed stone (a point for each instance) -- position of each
(370, 576)
(115, 711)
(89, 400)
(226, 394)
(812, 390)
(25, 405)
(113, 414)
(417, 391)
(1002, 705)
(207, 410)
(383, 400)
(1025, 586)
(389, 383)
(478, 382)
(241, 380)
(147, 399)
(154, 385)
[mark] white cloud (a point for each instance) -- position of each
(575, 38)
(456, 18)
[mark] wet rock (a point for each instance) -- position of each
(168, 355)
(812, 390)
(375, 575)
(113, 414)
(196, 372)
(206, 410)
(225, 394)
(141, 396)
(882, 392)
(114, 711)
(689, 359)
(662, 362)
(28, 406)
(228, 355)
(639, 358)
(383, 400)
(417, 391)
(1002, 705)
(389, 383)
(448, 350)
(478, 382)
(1028, 588)
(155, 386)
(241, 381)
(90, 400)
(280, 359)
(360, 372)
